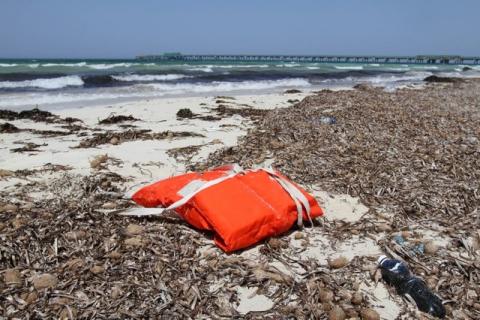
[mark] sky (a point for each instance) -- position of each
(126, 28)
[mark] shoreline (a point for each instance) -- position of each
(332, 161)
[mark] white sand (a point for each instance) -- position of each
(142, 161)
(250, 301)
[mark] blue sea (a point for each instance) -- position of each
(64, 83)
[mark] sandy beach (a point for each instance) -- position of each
(396, 172)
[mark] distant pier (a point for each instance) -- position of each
(421, 59)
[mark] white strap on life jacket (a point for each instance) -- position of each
(297, 196)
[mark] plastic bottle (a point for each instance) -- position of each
(396, 273)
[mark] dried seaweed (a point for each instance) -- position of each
(291, 91)
(113, 119)
(35, 115)
(8, 128)
(248, 112)
(131, 135)
(29, 147)
(413, 154)
(185, 113)
(184, 154)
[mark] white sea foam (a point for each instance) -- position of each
(223, 86)
(79, 64)
(397, 68)
(204, 69)
(141, 91)
(313, 68)
(348, 67)
(374, 65)
(425, 67)
(8, 65)
(407, 76)
(52, 83)
(33, 65)
(382, 79)
(240, 66)
(288, 65)
(105, 66)
(150, 77)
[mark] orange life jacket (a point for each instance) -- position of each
(240, 208)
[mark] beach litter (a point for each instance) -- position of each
(240, 207)
(397, 273)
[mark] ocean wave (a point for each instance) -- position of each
(203, 69)
(32, 99)
(150, 77)
(381, 79)
(224, 86)
(79, 64)
(51, 83)
(425, 67)
(8, 65)
(348, 67)
(230, 66)
(313, 68)
(397, 68)
(407, 76)
(144, 91)
(374, 65)
(105, 66)
(288, 65)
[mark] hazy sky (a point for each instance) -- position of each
(125, 28)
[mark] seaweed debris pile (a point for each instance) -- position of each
(411, 156)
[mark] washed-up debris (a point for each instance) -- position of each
(184, 154)
(290, 91)
(44, 281)
(363, 87)
(34, 115)
(49, 167)
(29, 147)
(328, 120)
(405, 154)
(247, 112)
(253, 216)
(208, 118)
(8, 128)
(99, 161)
(397, 273)
(442, 79)
(369, 314)
(113, 119)
(338, 262)
(50, 133)
(72, 120)
(72, 127)
(185, 113)
(8, 115)
(6, 173)
(131, 135)
(225, 98)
